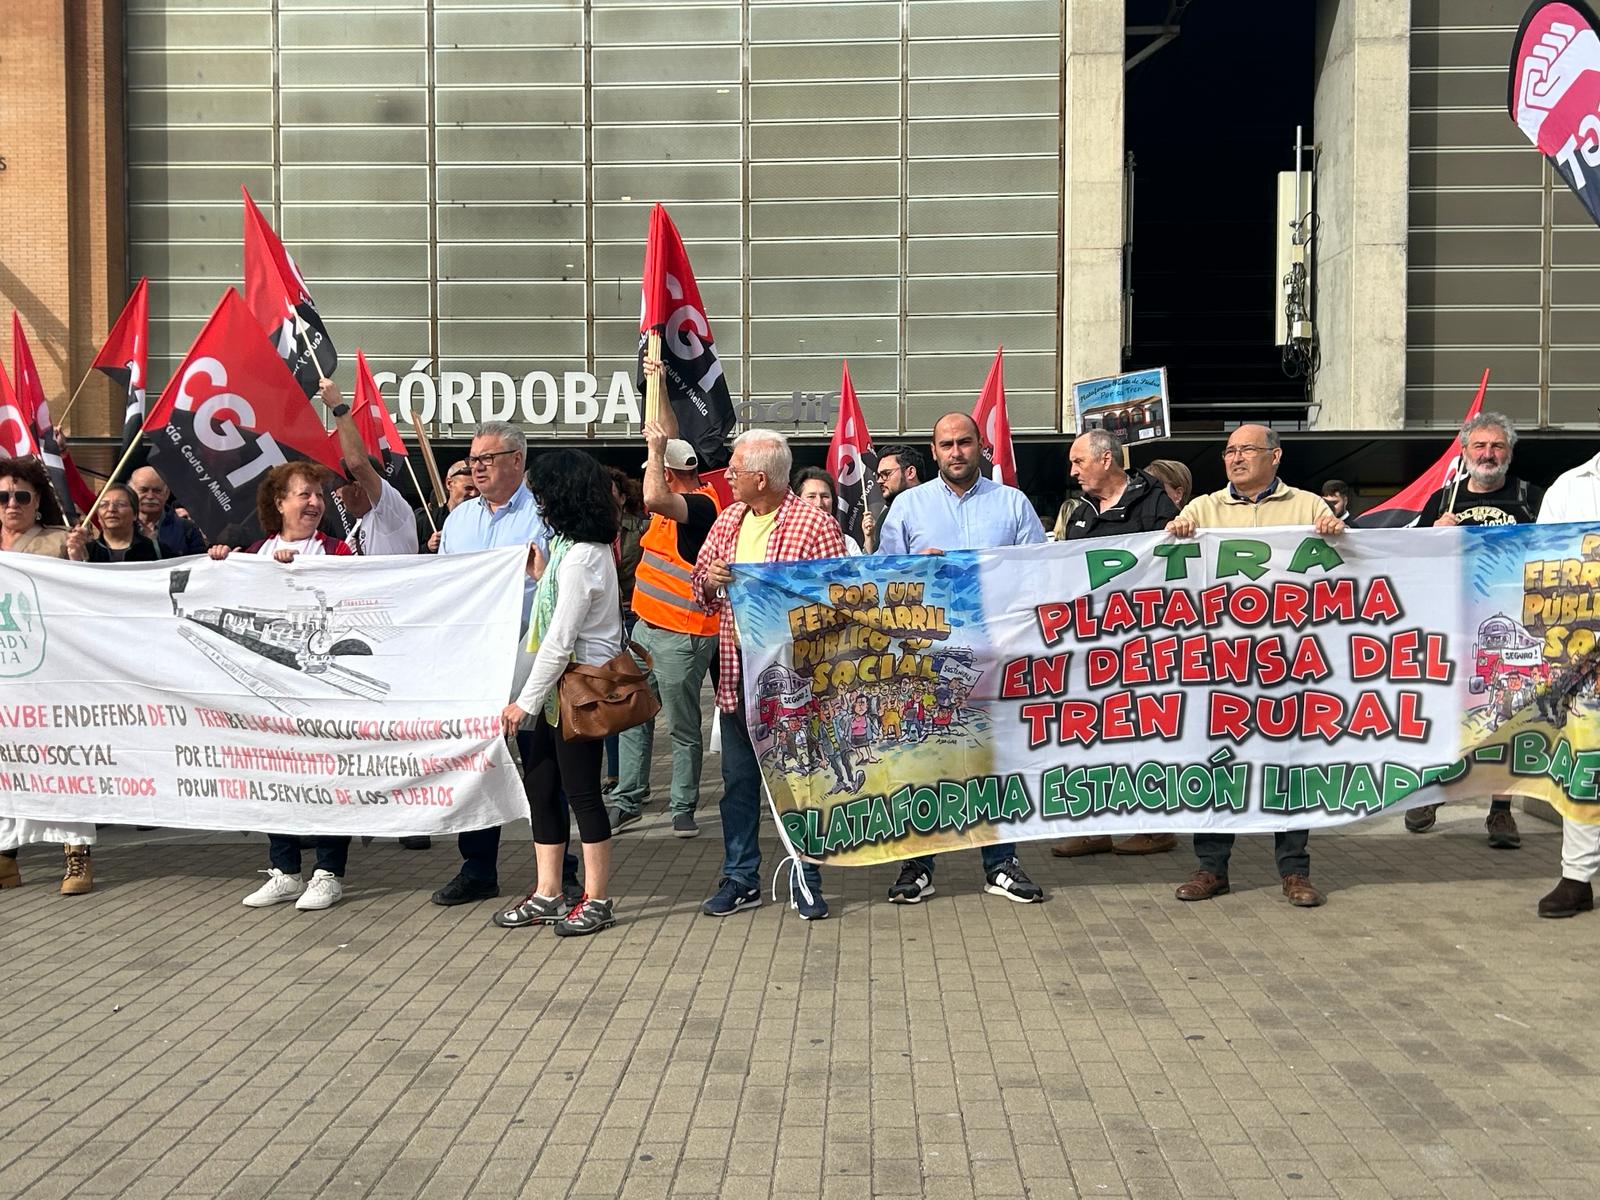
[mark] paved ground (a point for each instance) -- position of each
(1422, 1035)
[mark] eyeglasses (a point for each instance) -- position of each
(1242, 451)
(483, 460)
(21, 497)
(889, 473)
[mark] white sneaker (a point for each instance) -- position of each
(323, 891)
(278, 888)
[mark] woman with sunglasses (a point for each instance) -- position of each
(27, 508)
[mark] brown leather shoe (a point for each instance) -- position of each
(1077, 847)
(10, 875)
(1567, 899)
(1421, 818)
(1202, 885)
(1297, 890)
(1146, 843)
(1502, 830)
(80, 873)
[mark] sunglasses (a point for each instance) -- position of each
(20, 497)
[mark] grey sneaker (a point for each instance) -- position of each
(532, 910)
(621, 818)
(590, 916)
(683, 825)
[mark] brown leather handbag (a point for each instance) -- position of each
(596, 702)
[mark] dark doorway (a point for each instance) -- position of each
(1211, 119)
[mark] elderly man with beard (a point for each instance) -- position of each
(1489, 495)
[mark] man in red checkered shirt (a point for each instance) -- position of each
(766, 523)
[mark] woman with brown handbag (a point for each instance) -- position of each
(576, 618)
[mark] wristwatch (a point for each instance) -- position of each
(339, 410)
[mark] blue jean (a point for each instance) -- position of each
(992, 857)
(613, 744)
(741, 807)
(480, 848)
(283, 851)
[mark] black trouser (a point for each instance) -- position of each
(1290, 846)
(561, 776)
(480, 848)
(332, 853)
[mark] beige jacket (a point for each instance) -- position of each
(1286, 506)
(52, 543)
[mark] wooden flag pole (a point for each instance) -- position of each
(110, 479)
(416, 483)
(653, 383)
(428, 460)
(60, 422)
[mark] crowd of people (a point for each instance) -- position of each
(615, 560)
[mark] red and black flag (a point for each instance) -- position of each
(1402, 510)
(278, 295)
(994, 426)
(16, 427)
(231, 412)
(694, 382)
(853, 463)
(124, 356)
(373, 422)
(1553, 92)
(72, 492)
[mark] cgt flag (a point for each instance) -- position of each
(994, 426)
(853, 463)
(277, 294)
(373, 422)
(231, 413)
(1553, 92)
(73, 493)
(123, 357)
(1402, 510)
(693, 379)
(16, 430)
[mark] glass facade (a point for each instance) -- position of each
(466, 183)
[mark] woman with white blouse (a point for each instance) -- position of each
(576, 617)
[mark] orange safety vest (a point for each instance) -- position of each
(662, 592)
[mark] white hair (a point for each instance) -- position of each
(767, 450)
(510, 435)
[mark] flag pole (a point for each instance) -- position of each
(416, 483)
(428, 460)
(78, 391)
(110, 479)
(653, 383)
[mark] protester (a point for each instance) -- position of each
(815, 487)
(176, 535)
(1574, 496)
(627, 551)
(381, 520)
(679, 635)
(1115, 502)
(121, 538)
(1336, 495)
(766, 523)
(290, 504)
(1175, 479)
(1254, 498)
(27, 505)
(962, 510)
(458, 487)
(1488, 495)
(503, 513)
(899, 468)
(576, 617)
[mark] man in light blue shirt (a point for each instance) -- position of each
(503, 513)
(962, 510)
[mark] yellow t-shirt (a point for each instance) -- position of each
(754, 533)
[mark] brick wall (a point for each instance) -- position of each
(62, 210)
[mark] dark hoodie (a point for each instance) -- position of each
(1143, 508)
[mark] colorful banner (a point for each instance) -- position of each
(1239, 682)
(340, 696)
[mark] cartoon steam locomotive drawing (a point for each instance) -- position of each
(309, 636)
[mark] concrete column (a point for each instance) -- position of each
(1091, 193)
(1363, 63)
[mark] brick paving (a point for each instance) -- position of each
(1422, 1035)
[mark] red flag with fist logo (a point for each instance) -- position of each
(231, 413)
(373, 422)
(1553, 92)
(994, 426)
(693, 378)
(853, 463)
(72, 492)
(278, 295)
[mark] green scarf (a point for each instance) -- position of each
(544, 607)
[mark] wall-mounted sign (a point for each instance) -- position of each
(1132, 408)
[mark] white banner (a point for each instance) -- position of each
(329, 696)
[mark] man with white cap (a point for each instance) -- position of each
(679, 635)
